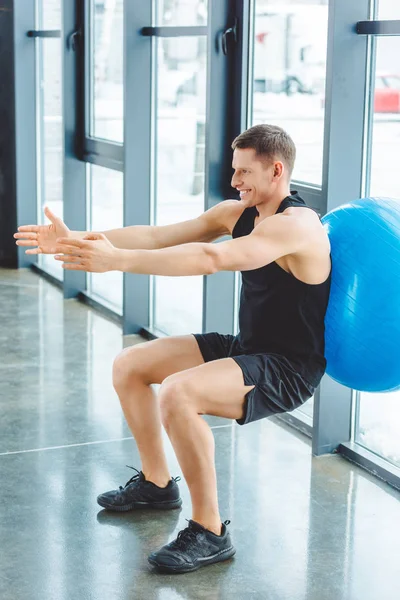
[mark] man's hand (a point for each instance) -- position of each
(44, 237)
(94, 253)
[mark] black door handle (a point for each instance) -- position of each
(229, 34)
(74, 39)
(44, 33)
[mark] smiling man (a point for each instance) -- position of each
(272, 366)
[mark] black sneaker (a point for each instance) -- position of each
(194, 547)
(139, 493)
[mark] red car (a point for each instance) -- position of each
(387, 94)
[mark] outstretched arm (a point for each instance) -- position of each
(41, 239)
(209, 226)
(276, 236)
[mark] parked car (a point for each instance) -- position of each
(387, 94)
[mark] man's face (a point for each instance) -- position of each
(253, 178)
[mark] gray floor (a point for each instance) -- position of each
(305, 528)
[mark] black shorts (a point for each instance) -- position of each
(278, 386)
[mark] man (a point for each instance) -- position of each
(273, 365)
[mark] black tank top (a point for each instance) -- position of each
(279, 313)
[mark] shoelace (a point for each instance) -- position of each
(132, 479)
(136, 478)
(187, 536)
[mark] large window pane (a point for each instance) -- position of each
(378, 424)
(49, 14)
(386, 119)
(289, 69)
(106, 200)
(388, 9)
(179, 169)
(181, 12)
(379, 414)
(49, 123)
(106, 55)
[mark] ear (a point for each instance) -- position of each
(279, 169)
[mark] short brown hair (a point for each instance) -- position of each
(269, 141)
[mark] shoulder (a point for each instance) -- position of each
(291, 219)
(304, 220)
(300, 227)
(225, 215)
(302, 213)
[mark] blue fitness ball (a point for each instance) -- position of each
(362, 324)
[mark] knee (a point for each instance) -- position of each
(175, 397)
(127, 368)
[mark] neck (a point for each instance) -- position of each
(268, 207)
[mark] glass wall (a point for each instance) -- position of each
(49, 121)
(105, 199)
(181, 74)
(378, 415)
(388, 9)
(386, 119)
(105, 110)
(288, 80)
(106, 69)
(378, 424)
(182, 12)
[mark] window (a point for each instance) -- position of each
(378, 414)
(105, 201)
(181, 69)
(385, 142)
(106, 69)
(288, 81)
(378, 424)
(182, 12)
(388, 9)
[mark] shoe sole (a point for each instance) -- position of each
(140, 505)
(201, 562)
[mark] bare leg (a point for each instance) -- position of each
(135, 369)
(216, 388)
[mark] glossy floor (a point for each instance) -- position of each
(304, 528)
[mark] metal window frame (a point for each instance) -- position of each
(40, 134)
(100, 152)
(226, 98)
(91, 148)
(74, 168)
(312, 193)
(301, 422)
(371, 462)
(342, 180)
(371, 30)
(39, 35)
(137, 126)
(345, 178)
(25, 120)
(218, 291)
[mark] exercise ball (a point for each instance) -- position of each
(362, 324)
